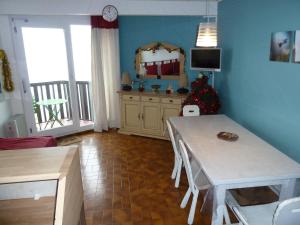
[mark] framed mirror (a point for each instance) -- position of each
(160, 61)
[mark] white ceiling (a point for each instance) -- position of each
(125, 7)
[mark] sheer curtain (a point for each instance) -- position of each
(105, 73)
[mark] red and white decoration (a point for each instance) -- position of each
(169, 67)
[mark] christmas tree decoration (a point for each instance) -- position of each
(204, 96)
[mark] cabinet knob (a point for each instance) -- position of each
(130, 97)
(171, 100)
(150, 99)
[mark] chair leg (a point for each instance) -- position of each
(186, 198)
(226, 215)
(197, 174)
(178, 173)
(204, 200)
(193, 208)
(175, 169)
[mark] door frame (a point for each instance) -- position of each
(60, 22)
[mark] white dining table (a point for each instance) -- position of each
(246, 162)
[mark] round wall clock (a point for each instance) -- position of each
(110, 13)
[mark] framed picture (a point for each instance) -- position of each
(281, 43)
(296, 53)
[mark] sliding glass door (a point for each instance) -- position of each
(54, 58)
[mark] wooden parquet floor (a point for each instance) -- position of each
(127, 182)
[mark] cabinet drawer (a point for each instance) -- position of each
(171, 100)
(131, 97)
(150, 99)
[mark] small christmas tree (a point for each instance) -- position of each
(204, 96)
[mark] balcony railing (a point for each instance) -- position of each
(60, 90)
(84, 100)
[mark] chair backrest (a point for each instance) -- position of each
(187, 164)
(287, 212)
(173, 141)
(191, 110)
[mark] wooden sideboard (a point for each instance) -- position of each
(145, 113)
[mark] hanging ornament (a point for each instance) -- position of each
(8, 84)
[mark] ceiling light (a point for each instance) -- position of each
(207, 33)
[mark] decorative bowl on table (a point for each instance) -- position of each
(155, 88)
(227, 136)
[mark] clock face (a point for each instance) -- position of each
(110, 13)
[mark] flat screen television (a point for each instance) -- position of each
(206, 59)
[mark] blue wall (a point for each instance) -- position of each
(136, 31)
(263, 96)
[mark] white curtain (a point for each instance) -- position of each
(105, 78)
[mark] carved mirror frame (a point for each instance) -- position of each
(156, 46)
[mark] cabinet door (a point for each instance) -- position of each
(131, 115)
(168, 110)
(151, 120)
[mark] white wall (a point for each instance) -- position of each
(5, 113)
(88, 7)
(13, 99)
(5, 109)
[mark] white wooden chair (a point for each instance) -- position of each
(191, 110)
(178, 163)
(197, 182)
(277, 213)
(178, 160)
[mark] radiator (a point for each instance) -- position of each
(16, 126)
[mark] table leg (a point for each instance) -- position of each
(49, 109)
(218, 205)
(49, 121)
(287, 189)
(53, 116)
(56, 117)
